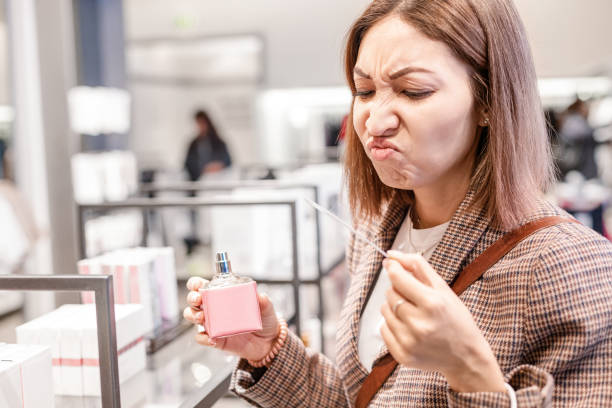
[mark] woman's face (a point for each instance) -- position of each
(202, 126)
(414, 109)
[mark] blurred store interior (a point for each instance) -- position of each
(101, 105)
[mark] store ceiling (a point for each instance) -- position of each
(568, 37)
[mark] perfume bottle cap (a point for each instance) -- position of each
(223, 264)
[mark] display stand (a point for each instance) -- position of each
(102, 286)
(191, 392)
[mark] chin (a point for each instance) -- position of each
(396, 180)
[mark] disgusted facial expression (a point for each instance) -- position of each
(414, 108)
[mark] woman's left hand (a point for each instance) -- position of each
(432, 329)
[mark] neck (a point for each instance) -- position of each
(436, 205)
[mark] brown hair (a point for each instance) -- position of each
(513, 163)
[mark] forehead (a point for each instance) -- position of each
(393, 44)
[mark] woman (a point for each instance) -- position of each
(447, 153)
(207, 153)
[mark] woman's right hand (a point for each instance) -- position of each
(251, 346)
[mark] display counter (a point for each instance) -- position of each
(181, 374)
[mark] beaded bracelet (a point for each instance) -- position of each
(278, 344)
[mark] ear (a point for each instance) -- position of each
(484, 118)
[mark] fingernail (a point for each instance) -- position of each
(199, 316)
(212, 343)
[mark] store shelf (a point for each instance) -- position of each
(181, 374)
(102, 286)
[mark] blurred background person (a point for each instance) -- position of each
(576, 138)
(207, 152)
(3, 162)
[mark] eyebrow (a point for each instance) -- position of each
(396, 74)
(359, 72)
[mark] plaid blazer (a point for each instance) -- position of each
(545, 308)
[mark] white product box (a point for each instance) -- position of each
(10, 384)
(25, 376)
(165, 276)
(91, 266)
(328, 178)
(263, 250)
(71, 354)
(110, 176)
(131, 349)
(75, 344)
(144, 276)
(45, 330)
(140, 270)
(121, 281)
(114, 231)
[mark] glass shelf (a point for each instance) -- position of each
(181, 374)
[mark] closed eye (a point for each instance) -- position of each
(417, 95)
(363, 94)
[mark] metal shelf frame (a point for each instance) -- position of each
(102, 286)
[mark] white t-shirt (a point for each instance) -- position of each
(370, 341)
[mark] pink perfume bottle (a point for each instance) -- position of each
(229, 302)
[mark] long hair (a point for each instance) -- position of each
(513, 162)
(215, 139)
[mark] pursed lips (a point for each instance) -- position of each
(381, 144)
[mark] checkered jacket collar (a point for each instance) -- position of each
(454, 251)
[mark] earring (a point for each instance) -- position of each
(485, 122)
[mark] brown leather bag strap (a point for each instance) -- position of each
(499, 248)
(470, 274)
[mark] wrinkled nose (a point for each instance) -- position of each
(382, 122)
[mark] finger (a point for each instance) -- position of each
(416, 264)
(394, 324)
(194, 299)
(195, 283)
(399, 353)
(404, 311)
(405, 283)
(194, 316)
(265, 304)
(203, 339)
(269, 319)
(399, 329)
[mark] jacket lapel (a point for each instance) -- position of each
(461, 243)
(458, 247)
(384, 233)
